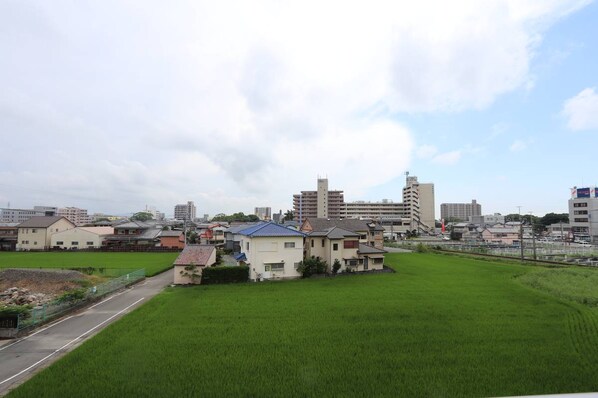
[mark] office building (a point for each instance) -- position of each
(583, 213)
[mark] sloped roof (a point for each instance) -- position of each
(367, 249)
(195, 255)
(235, 229)
(98, 230)
(349, 224)
(42, 221)
(172, 234)
(335, 233)
(270, 229)
(133, 224)
(502, 230)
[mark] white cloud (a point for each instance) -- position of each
(241, 104)
(581, 111)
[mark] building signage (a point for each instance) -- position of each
(583, 192)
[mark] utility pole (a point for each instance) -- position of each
(520, 233)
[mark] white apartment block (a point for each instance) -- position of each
(583, 213)
(374, 210)
(185, 211)
(418, 199)
(322, 203)
(75, 215)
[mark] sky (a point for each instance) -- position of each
(113, 106)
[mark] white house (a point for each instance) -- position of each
(36, 233)
(271, 251)
(80, 238)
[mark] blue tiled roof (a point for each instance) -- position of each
(240, 257)
(270, 229)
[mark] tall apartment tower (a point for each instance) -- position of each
(263, 213)
(418, 202)
(460, 211)
(321, 203)
(75, 215)
(185, 212)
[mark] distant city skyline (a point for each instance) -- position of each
(109, 109)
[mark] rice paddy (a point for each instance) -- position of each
(440, 326)
(153, 263)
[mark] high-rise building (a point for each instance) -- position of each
(185, 212)
(583, 213)
(321, 203)
(263, 213)
(460, 211)
(75, 215)
(418, 199)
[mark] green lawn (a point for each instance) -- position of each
(153, 263)
(440, 326)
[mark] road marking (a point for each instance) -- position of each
(39, 331)
(109, 298)
(70, 342)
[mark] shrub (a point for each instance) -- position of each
(71, 296)
(215, 275)
(12, 310)
(336, 266)
(312, 266)
(421, 248)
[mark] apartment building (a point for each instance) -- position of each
(185, 212)
(75, 215)
(418, 201)
(321, 203)
(373, 210)
(460, 211)
(263, 213)
(583, 213)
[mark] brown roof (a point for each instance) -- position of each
(195, 255)
(42, 222)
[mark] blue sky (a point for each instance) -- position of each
(112, 106)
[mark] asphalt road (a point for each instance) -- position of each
(20, 359)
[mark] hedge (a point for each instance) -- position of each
(214, 275)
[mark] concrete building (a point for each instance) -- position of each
(418, 201)
(8, 215)
(583, 213)
(75, 215)
(36, 233)
(460, 211)
(185, 212)
(373, 210)
(80, 238)
(263, 213)
(321, 203)
(9, 233)
(488, 219)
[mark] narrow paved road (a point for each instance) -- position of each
(20, 359)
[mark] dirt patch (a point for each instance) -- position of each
(46, 284)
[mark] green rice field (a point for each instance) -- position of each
(439, 326)
(153, 263)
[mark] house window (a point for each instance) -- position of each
(297, 265)
(74, 243)
(278, 267)
(351, 244)
(33, 231)
(312, 243)
(35, 243)
(289, 245)
(59, 242)
(335, 246)
(580, 204)
(323, 242)
(89, 243)
(363, 237)
(378, 260)
(247, 246)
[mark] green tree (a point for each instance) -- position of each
(336, 266)
(312, 266)
(288, 216)
(142, 216)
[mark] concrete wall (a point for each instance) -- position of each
(265, 251)
(40, 238)
(84, 239)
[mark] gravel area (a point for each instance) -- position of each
(38, 281)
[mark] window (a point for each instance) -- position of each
(335, 246)
(289, 245)
(312, 243)
(578, 212)
(297, 265)
(351, 244)
(323, 242)
(89, 243)
(33, 231)
(363, 237)
(581, 220)
(585, 204)
(277, 267)
(35, 243)
(74, 243)
(247, 246)
(59, 242)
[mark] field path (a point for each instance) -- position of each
(20, 359)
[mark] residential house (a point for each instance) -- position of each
(271, 251)
(191, 262)
(36, 233)
(502, 236)
(9, 233)
(172, 239)
(232, 236)
(338, 244)
(213, 234)
(135, 233)
(80, 238)
(370, 233)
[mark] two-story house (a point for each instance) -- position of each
(271, 251)
(36, 233)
